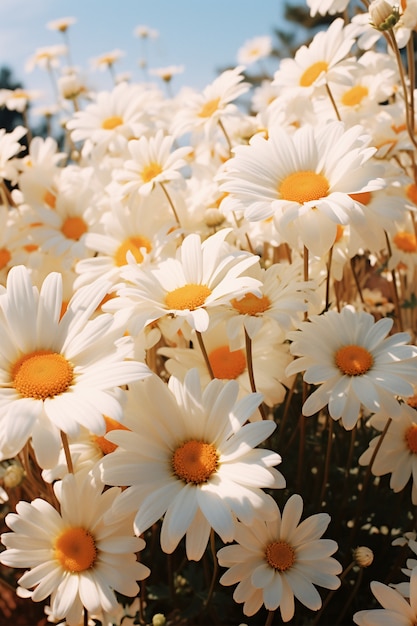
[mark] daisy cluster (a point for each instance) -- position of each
(208, 353)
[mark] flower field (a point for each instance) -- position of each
(208, 356)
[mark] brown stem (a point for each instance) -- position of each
(67, 452)
(249, 362)
(204, 352)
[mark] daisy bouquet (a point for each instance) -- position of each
(208, 359)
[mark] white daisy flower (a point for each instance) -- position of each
(254, 49)
(57, 374)
(304, 179)
(192, 459)
(74, 556)
(355, 363)
(397, 454)
(395, 608)
(275, 561)
(152, 161)
(203, 275)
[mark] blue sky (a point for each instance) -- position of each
(202, 35)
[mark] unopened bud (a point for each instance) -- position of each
(13, 476)
(213, 217)
(363, 556)
(159, 619)
(383, 15)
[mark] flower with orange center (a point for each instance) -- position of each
(306, 180)
(203, 275)
(87, 555)
(354, 362)
(195, 474)
(397, 453)
(275, 561)
(59, 371)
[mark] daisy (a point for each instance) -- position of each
(73, 555)
(203, 111)
(395, 608)
(323, 60)
(203, 275)
(151, 161)
(192, 459)
(46, 58)
(112, 118)
(402, 15)
(57, 372)
(324, 7)
(397, 454)
(62, 24)
(10, 146)
(254, 49)
(304, 180)
(277, 560)
(355, 363)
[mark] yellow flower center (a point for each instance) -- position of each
(312, 73)
(354, 96)
(280, 555)
(227, 364)
(188, 297)
(112, 122)
(75, 549)
(42, 374)
(364, 197)
(353, 360)
(30, 247)
(251, 304)
(411, 438)
(5, 257)
(209, 108)
(73, 228)
(195, 461)
(107, 446)
(49, 199)
(304, 186)
(150, 171)
(411, 192)
(133, 245)
(404, 241)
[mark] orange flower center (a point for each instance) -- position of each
(49, 199)
(42, 374)
(280, 555)
(195, 461)
(227, 364)
(411, 438)
(5, 257)
(209, 108)
(404, 241)
(133, 245)
(311, 74)
(304, 186)
(73, 228)
(411, 192)
(340, 229)
(364, 197)
(112, 122)
(353, 360)
(104, 444)
(251, 304)
(75, 549)
(188, 297)
(150, 171)
(354, 96)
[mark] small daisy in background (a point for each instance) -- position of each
(279, 560)
(254, 49)
(354, 362)
(75, 555)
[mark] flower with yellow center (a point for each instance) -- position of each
(195, 472)
(305, 179)
(87, 555)
(277, 561)
(204, 274)
(397, 454)
(354, 362)
(152, 160)
(59, 372)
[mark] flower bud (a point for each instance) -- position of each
(159, 619)
(13, 476)
(383, 15)
(363, 556)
